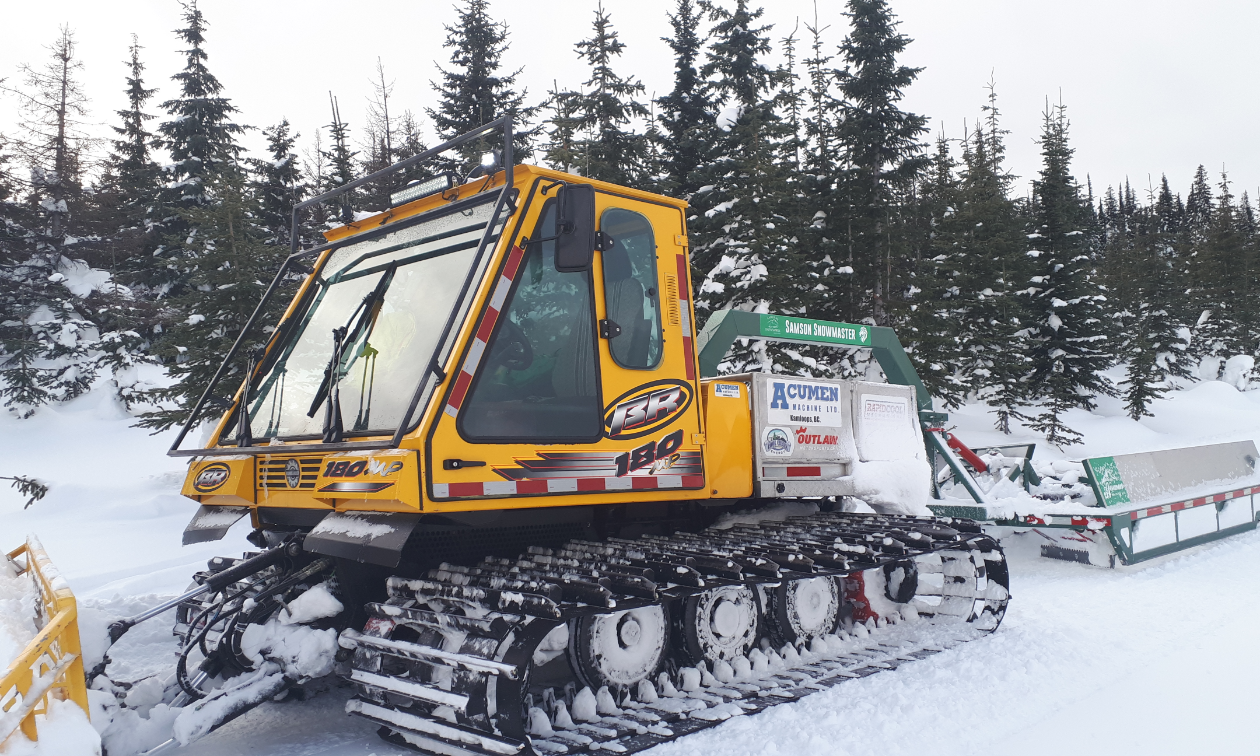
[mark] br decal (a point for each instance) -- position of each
(646, 409)
(212, 477)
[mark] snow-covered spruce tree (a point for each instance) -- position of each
(230, 268)
(745, 253)
(1066, 331)
(1224, 273)
(605, 145)
(21, 388)
(339, 164)
(881, 146)
(933, 329)
(128, 188)
(49, 340)
(1153, 346)
(824, 217)
(200, 137)
(993, 275)
(120, 209)
(685, 115)
(278, 184)
(475, 91)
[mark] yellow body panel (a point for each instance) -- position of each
(627, 469)
(728, 414)
(227, 481)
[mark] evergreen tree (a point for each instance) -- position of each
(278, 183)
(200, 137)
(473, 91)
(1198, 215)
(120, 213)
(231, 268)
(745, 253)
(127, 191)
(410, 143)
(934, 326)
(1153, 345)
(560, 150)
(819, 119)
(21, 381)
(882, 147)
(338, 162)
(1067, 343)
(686, 113)
(47, 341)
(606, 147)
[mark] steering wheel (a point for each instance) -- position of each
(511, 347)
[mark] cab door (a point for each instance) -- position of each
(580, 387)
(646, 360)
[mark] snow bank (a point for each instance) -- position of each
(900, 486)
(113, 518)
(19, 599)
(64, 731)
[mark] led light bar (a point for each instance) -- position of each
(417, 189)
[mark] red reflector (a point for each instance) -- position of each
(804, 472)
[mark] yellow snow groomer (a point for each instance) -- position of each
(487, 423)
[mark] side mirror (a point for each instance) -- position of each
(575, 227)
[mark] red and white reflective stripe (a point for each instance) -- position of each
(1091, 523)
(684, 309)
(484, 329)
(564, 485)
(804, 472)
(1192, 503)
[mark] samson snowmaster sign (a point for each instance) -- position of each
(479, 457)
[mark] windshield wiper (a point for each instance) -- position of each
(332, 414)
(366, 314)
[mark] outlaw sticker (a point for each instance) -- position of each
(646, 409)
(808, 439)
(212, 477)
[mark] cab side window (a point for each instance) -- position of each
(630, 289)
(537, 380)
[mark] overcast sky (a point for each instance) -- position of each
(1151, 86)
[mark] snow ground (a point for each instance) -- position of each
(1156, 658)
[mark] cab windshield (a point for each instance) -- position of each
(392, 295)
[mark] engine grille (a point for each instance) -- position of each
(271, 473)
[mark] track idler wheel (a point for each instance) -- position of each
(720, 624)
(901, 581)
(620, 649)
(801, 610)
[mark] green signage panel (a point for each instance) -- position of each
(1110, 484)
(787, 328)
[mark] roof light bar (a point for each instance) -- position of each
(417, 189)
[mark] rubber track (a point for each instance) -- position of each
(444, 665)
